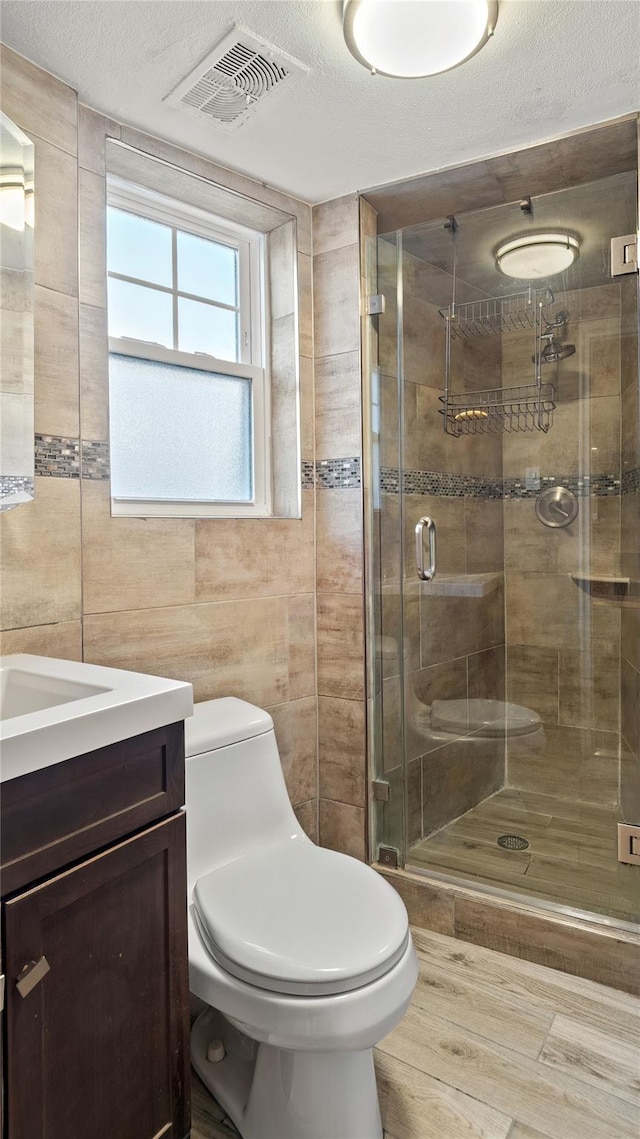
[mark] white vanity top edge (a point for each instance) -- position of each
(128, 704)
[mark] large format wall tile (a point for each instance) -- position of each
(56, 363)
(336, 307)
(40, 546)
(245, 557)
(337, 403)
(92, 227)
(532, 679)
(340, 633)
(341, 725)
(94, 373)
(458, 776)
(456, 626)
(590, 689)
(40, 104)
(56, 215)
(335, 223)
(550, 610)
(133, 563)
(572, 764)
(232, 648)
(339, 537)
(302, 646)
(342, 827)
(62, 640)
(296, 727)
(93, 129)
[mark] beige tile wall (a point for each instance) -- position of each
(227, 605)
(563, 641)
(339, 529)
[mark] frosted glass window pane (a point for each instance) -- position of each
(206, 328)
(179, 434)
(138, 247)
(139, 313)
(207, 269)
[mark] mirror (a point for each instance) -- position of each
(16, 315)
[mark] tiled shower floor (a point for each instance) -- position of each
(571, 857)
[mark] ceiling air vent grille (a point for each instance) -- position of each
(229, 84)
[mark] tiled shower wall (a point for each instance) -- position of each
(563, 636)
(226, 604)
(453, 645)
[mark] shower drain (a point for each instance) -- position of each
(513, 842)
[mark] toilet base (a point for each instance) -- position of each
(271, 1093)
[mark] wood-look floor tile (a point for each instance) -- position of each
(510, 1083)
(443, 992)
(599, 1058)
(415, 1106)
(535, 986)
(569, 860)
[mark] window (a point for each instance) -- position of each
(188, 386)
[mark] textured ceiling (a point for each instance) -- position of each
(553, 66)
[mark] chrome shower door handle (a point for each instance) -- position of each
(429, 525)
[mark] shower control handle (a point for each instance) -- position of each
(429, 525)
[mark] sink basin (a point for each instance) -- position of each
(22, 692)
(52, 710)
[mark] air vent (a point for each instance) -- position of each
(233, 80)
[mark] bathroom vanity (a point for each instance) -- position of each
(94, 928)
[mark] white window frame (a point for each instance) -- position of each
(253, 335)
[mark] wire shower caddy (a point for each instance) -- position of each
(525, 407)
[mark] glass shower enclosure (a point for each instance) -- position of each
(504, 552)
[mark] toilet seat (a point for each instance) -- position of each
(487, 718)
(305, 921)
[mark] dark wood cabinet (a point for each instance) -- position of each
(98, 1048)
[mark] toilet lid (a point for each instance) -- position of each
(296, 918)
(483, 717)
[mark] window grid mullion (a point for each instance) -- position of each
(174, 275)
(165, 289)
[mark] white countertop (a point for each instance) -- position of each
(118, 705)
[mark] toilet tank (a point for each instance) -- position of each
(236, 795)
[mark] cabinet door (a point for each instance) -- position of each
(99, 1047)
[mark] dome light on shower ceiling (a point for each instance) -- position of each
(537, 255)
(409, 39)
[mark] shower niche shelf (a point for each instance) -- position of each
(462, 584)
(602, 584)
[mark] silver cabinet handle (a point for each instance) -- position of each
(429, 525)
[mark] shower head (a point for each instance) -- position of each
(554, 351)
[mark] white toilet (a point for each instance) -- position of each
(303, 955)
(476, 721)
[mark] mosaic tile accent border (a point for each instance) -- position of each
(308, 474)
(57, 457)
(336, 474)
(583, 486)
(11, 485)
(443, 485)
(95, 459)
(631, 481)
(473, 486)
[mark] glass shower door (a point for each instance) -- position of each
(507, 688)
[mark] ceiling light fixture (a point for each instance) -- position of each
(537, 255)
(409, 39)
